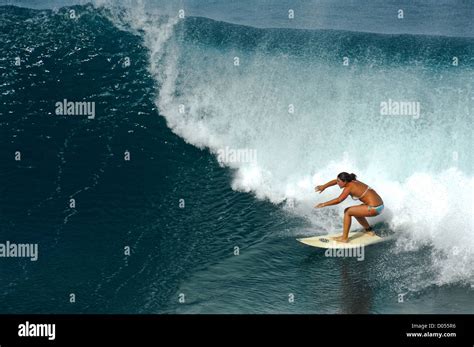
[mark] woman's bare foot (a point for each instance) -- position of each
(371, 233)
(341, 239)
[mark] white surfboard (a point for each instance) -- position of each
(356, 239)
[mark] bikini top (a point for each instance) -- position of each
(362, 194)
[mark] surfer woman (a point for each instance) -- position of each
(372, 202)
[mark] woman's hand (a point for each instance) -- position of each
(319, 189)
(321, 205)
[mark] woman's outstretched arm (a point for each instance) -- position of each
(320, 189)
(338, 200)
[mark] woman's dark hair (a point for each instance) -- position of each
(346, 177)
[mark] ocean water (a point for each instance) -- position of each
(208, 234)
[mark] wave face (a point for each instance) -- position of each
(309, 105)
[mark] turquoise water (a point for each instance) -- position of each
(261, 208)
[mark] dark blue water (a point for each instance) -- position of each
(180, 251)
